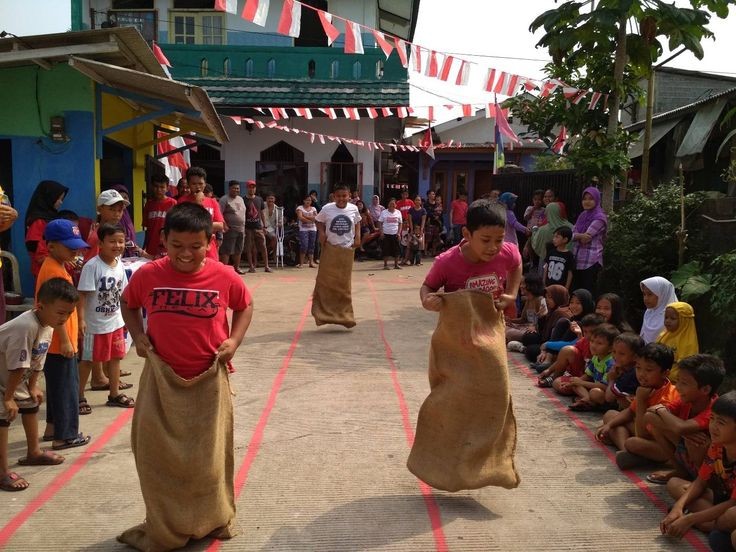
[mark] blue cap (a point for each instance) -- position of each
(66, 233)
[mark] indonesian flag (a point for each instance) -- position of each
(416, 57)
(467, 110)
(579, 98)
(330, 30)
(329, 111)
(432, 69)
(291, 19)
(402, 112)
(161, 58)
(463, 74)
(426, 143)
(490, 111)
(570, 92)
(446, 68)
(274, 113)
(490, 79)
(353, 40)
(372, 113)
(175, 164)
(284, 114)
(529, 84)
(304, 112)
(430, 113)
(384, 44)
(401, 50)
(511, 84)
(229, 6)
(560, 141)
(386, 111)
(594, 99)
(321, 138)
(256, 11)
(500, 83)
(547, 89)
(351, 113)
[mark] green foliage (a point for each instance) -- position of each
(691, 281)
(552, 163)
(723, 298)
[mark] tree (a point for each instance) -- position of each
(607, 47)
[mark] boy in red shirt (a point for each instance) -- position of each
(154, 213)
(197, 180)
(185, 294)
(459, 215)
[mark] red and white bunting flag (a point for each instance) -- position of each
(570, 92)
(256, 11)
(372, 113)
(605, 102)
(426, 143)
(229, 6)
(260, 124)
(291, 19)
(430, 113)
(351, 113)
(330, 30)
(594, 99)
(529, 85)
(416, 57)
(393, 146)
(304, 112)
(490, 111)
(248, 120)
(511, 85)
(321, 138)
(329, 111)
(237, 120)
(272, 124)
(386, 111)
(402, 147)
(547, 89)
(432, 66)
(467, 110)
(311, 137)
(401, 50)
(160, 56)
(353, 40)
(446, 68)
(463, 74)
(259, 110)
(579, 97)
(410, 110)
(275, 113)
(370, 146)
(402, 112)
(490, 79)
(284, 114)
(384, 44)
(500, 83)
(560, 141)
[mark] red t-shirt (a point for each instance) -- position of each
(35, 234)
(459, 211)
(154, 214)
(213, 206)
(452, 271)
(682, 411)
(187, 309)
(404, 205)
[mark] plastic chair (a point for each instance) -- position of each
(279, 236)
(28, 302)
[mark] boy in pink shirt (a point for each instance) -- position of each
(458, 216)
(481, 261)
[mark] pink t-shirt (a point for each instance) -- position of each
(187, 313)
(213, 206)
(452, 271)
(459, 211)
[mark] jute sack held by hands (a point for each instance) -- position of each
(466, 431)
(332, 301)
(182, 440)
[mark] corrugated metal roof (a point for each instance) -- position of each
(242, 92)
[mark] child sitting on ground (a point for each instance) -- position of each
(622, 382)
(681, 429)
(652, 365)
(703, 503)
(590, 388)
(24, 342)
(679, 333)
(535, 307)
(560, 262)
(572, 359)
(100, 322)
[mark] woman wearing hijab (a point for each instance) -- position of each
(42, 208)
(542, 236)
(657, 293)
(375, 208)
(512, 224)
(679, 333)
(558, 299)
(588, 236)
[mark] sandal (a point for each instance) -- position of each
(79, 441)
(122, 385)
(660, 478)
(12, 482)
(84, 407)
(122, 400)
(240, 271)
(545, 381)
(46, 458)
(125, 373)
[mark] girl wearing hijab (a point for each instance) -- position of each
(42, 208)
(542, 236)
(588, 236)
(679, 333)
(657, 293)
(512, 224)
(375, 208)
(557, 298)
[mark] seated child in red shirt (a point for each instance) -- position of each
(590, 388)
(629, 427)
(572, 359)
(681, 429)
(622, 382)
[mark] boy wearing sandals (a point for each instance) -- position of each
(100, 320)
(24, 342)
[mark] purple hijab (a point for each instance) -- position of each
(586, 218)
(126, 222)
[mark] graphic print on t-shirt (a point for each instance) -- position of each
(555, 268)
(109, 290)
(198, 303)
(487, 283)
(341, 225)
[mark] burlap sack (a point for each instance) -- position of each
(466, 431)
(332, 302)
(182, 440)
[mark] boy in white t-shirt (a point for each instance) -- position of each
(100, 320)
(24, 342)
(391, 222)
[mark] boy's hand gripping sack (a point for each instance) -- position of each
(466, 430)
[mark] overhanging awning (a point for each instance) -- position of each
(188, 106)
(700, 129)
(659, 130)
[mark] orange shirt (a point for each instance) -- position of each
(51, 268)
(666, 395)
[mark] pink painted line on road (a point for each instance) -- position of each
(433, 510)
(690, 536)
(254, 444)
(60, 481)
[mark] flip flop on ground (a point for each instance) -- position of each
(122, 400)
(13, 482)
(46, 458)
(106, 387)
(79, 441)
(660, 477)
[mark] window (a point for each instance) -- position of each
(203, 67)
(334, 69)
(271, 67)
(356, 70)
(197, 28)
(145, 20)
(249, 67)
(379, 69)
(226, 67)
(311, 68)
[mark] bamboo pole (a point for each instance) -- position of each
(681, 232)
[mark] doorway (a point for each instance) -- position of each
(116, 167)
(283, 172)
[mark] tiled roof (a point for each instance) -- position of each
(242, 92)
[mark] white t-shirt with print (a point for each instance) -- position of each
(102, 308)
(339, 223)
(23, 346)
(390, 222)
(307, 226)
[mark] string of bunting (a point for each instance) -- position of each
(433, 63)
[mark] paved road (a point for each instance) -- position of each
(324, 420)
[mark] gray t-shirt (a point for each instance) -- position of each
(233, 211)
